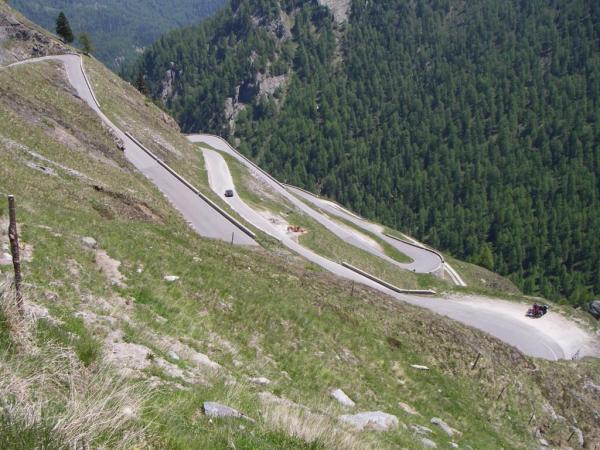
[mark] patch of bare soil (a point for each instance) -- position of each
(126, 206)
(110, 268)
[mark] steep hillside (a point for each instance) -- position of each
(119, 29)
(473, 126)
(134, 322)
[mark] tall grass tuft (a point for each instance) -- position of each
(50, 399)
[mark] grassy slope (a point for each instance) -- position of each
(273, 314)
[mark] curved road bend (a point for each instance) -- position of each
(424, 261)
(504, 321)
(204, 219)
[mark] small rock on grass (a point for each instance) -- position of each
(420, 429)
(428, 443)
(260, 381)
(214, 409)
(408, 409)
(171, 278)
(374, 420)
(342, 398)
(89, 242)
(444, 426)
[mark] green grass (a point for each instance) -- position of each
(388, 249)
(19, 435)
(254, 311)
(72, 333)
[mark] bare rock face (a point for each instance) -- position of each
(19, 41)
(267, 85)
(339, 8)
(594, 309)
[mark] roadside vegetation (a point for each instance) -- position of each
(116, 354)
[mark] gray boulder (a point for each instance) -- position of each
(374, 420)
(428, 443)
(443, 425)
(594, 309)
(214, 409)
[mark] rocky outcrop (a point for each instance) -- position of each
(594, 309)
(19, 41)
(167, 85)
(267, 85)
(339, 8)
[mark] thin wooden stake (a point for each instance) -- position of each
(571, 435)
(13, 236)
(531, 418)
(476, 361)
(352, 292)
(501, 392)
(232, 235)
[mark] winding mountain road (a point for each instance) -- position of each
(553, 337)
(201, 216)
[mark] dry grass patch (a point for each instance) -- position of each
(49, 399)
(299, 422)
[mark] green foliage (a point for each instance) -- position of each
(485, 257)
(119, 27)
(140, 84)
(86, 43)
(466, 125)
(19, 435)
(63, 28)
(6, 343)
(72, 333)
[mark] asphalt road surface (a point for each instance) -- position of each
(200, 215)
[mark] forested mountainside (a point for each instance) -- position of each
(119, 28)
(472, 125)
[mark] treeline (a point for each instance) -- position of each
(474, 126)
(119, 28)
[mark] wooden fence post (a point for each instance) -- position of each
(501, 392)
(476, 361)
(13, 236)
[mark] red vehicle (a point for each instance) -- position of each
(537, 311)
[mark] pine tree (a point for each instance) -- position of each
(63, 29)
(86, 43)
(140, 84)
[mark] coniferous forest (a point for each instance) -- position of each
(474, 126)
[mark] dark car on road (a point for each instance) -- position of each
(229, 193)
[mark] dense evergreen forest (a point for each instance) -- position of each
(474, 126)
(119, 28)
